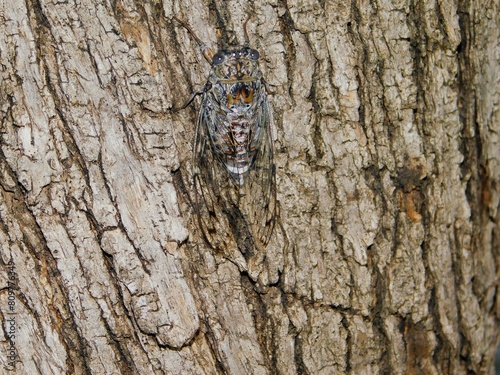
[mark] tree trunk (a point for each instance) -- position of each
(385, 254)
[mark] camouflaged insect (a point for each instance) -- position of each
(234, 173)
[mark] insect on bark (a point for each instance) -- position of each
(234, 172)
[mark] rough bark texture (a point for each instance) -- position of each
(386, 257)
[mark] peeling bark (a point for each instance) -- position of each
(386, 254)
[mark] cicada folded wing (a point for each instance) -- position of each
(258, 194)
(210, 190)
(230, 209)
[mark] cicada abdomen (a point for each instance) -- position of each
(234, 173)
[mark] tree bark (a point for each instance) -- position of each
(386, 253)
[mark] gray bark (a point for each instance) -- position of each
(386, 253)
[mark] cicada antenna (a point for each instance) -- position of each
(206, 50)
(247, 39)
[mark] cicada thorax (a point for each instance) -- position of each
(234, 173)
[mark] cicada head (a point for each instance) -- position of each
(236, 65)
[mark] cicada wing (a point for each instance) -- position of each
(258, 194)
(230, 214)
(211, 189)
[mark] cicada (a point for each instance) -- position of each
(234, 172)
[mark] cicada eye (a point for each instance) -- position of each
(253, 55)
(218, 58)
